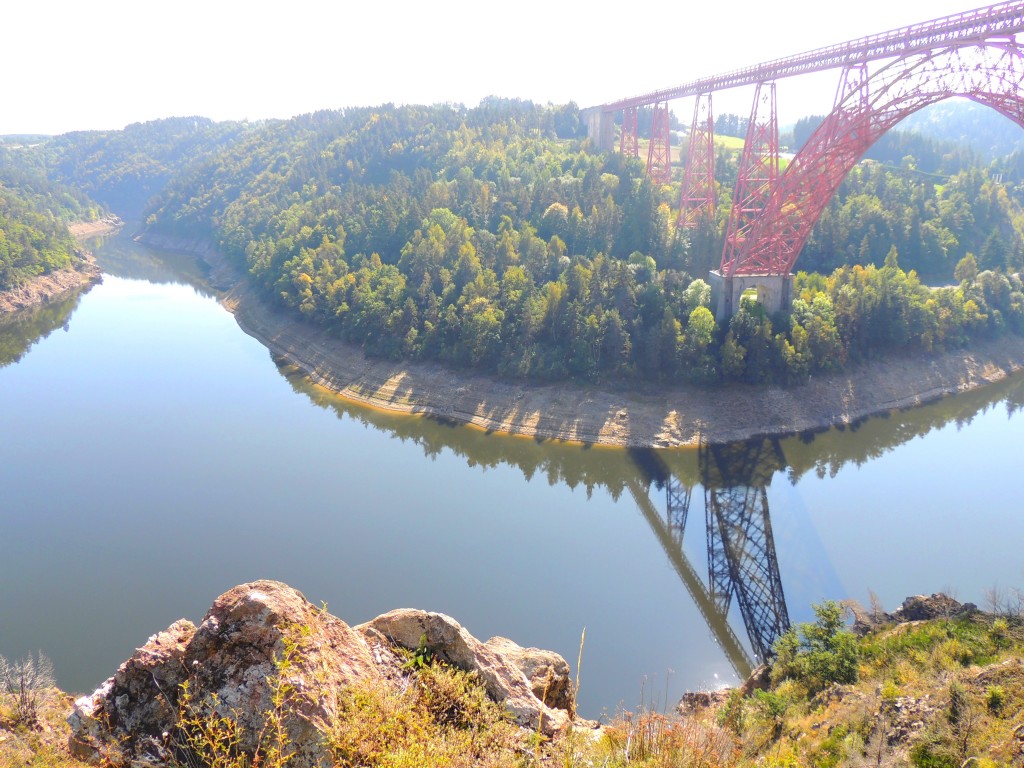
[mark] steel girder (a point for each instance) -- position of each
(1001, 20)
(758, 175)
(659, 154)
(868, 105)
(743, 552)
(741, 548)
(677, 508)
(629, 143)
(698, 196)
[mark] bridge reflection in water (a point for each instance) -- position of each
(742, 563)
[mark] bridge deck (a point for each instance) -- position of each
(1001, 19)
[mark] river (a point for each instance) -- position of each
(152, 455)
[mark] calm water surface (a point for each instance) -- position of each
(152, 456)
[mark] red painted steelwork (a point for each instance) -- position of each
(1001, 19)
(659, 154)
(698, 196)
(866, 107)
(629, 143)
(758, 174)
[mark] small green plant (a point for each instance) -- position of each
(890, 692)
(733, 715)
(419, 658)
(210, 736)
(995, 699)
(959, 704)
(772, 707)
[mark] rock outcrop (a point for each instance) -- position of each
(232, 664)
(511, 674)
(925, 608)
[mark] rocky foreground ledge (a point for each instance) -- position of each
(234, 655)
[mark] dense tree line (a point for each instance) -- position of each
(33, 241)
(23, 171)
(862, 312)
(495, 238)
(480, 238)
(933, 225)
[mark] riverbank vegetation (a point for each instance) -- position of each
(495, 239)
(33, 241)
(945, 691)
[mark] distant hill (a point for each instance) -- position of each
(959, 121)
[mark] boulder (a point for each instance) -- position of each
(139, 703)
(449, 641)
(265, 638)
(228, 659)
(937, 606)
(547, 672)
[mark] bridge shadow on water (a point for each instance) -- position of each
(741, 560)
(742, 571)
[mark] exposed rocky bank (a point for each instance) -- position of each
(46, 288)
(637, 416)
(234, 654)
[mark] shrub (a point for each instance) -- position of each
(820, 653)
(28, 681)
(995, 699)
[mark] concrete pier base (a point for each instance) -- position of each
(600, 128)
(774, 292)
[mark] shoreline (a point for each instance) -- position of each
(46, 288)
(635, 415)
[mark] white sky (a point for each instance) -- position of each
(75, 65)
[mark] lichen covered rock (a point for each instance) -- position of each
(263, 652)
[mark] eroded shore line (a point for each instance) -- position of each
(46, 288)
(641, 416)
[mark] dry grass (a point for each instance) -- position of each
(942, 693)
(43, 745)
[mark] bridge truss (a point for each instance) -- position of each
(885, 78)
(742, 563)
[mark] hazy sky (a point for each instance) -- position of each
(106, 63)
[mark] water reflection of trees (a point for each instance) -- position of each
(828, 451)
(120, 256)
(824, 452)
(20, 330)
(732, 481)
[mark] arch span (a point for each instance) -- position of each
(867, 105)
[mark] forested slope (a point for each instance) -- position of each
(496, 238)
(33, 241)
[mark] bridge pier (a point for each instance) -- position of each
(774, 292)
(600, 128)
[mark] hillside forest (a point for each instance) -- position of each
(496, 238)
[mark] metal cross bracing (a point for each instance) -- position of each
(1001, 19)
(867, 105)
(744, 551)
(671, 542)
(677, 507)
(742, 562)
(757, 175)
(697, 201)
(659, 153)
(885, 78)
